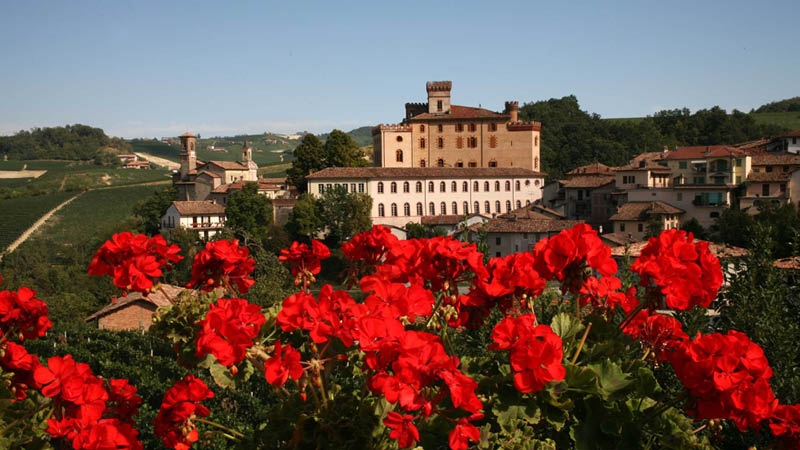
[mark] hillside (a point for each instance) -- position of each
(787, 105)
(70, 142)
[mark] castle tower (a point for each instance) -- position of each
(188, 154)
(512, 108)
(439, 96)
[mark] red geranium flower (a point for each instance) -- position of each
(563, 255)
(463, 433)
(222, 262)
(403, 429)
(305, 262)
(228, 330)
(134, 261)
(24, 314)
(181, 403)
(284, 363)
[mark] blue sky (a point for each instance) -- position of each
(158, 68)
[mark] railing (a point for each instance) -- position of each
(208, 225)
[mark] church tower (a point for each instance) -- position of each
(188, 154)
(247, 160)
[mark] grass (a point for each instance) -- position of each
(157, 148)
(274, 170)
(790, 120)
(21, 213)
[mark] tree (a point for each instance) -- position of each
(151, 210)
(694, 227)
(342, 151)
(309, 157)
(654, 227)
(734, 227)
(248, 212)
(304, 222)
(422, 231)
(344, 214)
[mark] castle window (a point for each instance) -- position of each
(493, 163)
(476, 208)
(419, 186)
(399, 155)
(459, 127)
(476, 186)
(406, 209)
(381, 212)
(422, 163)
(517, 185)
(536, 163)
(438, 105)
(421, 142)
(442, 187)
(380, 187)
(406, 186)
(459, 163)
(497, 186)
(431, 209)
(441, 128)
(430, 186)
(422, 128)
(399, 138)
(519, 204)
(486, 207)
(453, 187)
(493, 141)
(443, 208)
(536, 182)
(419, 209)
(486, 186)
(466, 208)
(508, 186)
(492, 127)
(472, 164)
(441, 142)
(464, 187)
(472, 142)
(393, 187)
(394, 210)
(454, 208)
(497, 206)
(440, 162)
(536, 140)
(472, 127)
(508, 206)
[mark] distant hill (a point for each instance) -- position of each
(788, 105)
(70, 142)
(362, 136)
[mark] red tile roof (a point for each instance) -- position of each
(704, 151)
(157, 299)
(792, 262)
(642, 210)
(591, 169)
(422, 172)
(590, 181)
(228, 165)
(462, 112)
(450, 219)
(718, 250)
(193, 208)
(775, 176)
(508, 225)
(776, 159)
(618, 238)
(793, 133)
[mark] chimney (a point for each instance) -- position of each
(439, 96)
(512, 108)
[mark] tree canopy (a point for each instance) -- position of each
(249, 212)
(72, 142)
(339, 150)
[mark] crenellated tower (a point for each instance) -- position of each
(439, 96)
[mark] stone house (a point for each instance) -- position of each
(133, 311)
(206, 218)
(632, 218)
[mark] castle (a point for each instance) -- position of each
(440, 134)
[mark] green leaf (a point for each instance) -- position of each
(509, 415)
(581, 379)
(222, 376)
(566, 326)
(612, 379)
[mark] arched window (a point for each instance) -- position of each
(394, 209)
(454, 207)
(492, 163)
(497, 186)
(497, 206)
(508, 206)
(464, 186)
(453, 187)
(527, 202)
(443, 208)
(406, 209)
(431, 209)
(459, 163)
(486, 186)
(393, 187)
(399, 139)
(422, 128)
(517, 185)
(476, 186)
(399, 155)
(421, 142)
(441, 142)
(380, 187)
(486, 207)
(419, 209)
(440, 162)
(419, 186)
(466, 208)
(508, 186)
(422, 163)
(406, 186)
(536, 182)
(430, 186)
(476, 208)
(442, 186)
(381, 213)
(519, 204)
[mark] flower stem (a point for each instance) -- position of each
(583, 341)
(221, 427)
(630, 317)
(24, 418)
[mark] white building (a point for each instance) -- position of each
(205, 217)
(520, 230)
(403, 195)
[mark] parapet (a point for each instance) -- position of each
(524, 126)
(396, 127)
(512, 105)
(439, 85)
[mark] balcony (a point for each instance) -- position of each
(207, 226)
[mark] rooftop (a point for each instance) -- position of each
(157, 299)
(774, 176)
(591, 169)
(704, 151)
(191, 208)
(587, 181)
(462, 112)
(422, 172)
(509, 225)
(792, 262)
(776, 159)
(619, 238)
(718, 250)
(642, 210)
(450, 219)
(228, 165)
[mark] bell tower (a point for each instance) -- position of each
(439, 96)
(188, 154)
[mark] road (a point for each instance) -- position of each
(171, 165)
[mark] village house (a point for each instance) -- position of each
(205, 217)
(134, 311)
(403, 195)
(770, 181)
(520, 230)
(440, 134)
(633, 218)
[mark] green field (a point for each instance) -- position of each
(790, 120)
(71, 176)
(21, 213)
(156, 148)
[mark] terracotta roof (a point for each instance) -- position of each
(211, 174)
(461, 112)
(187, 134)
(643, 165)
(190, 208)
(619, 238)
(229, 165)
(718, 250)
(507, 225)
(272, 180)
(222, 188)
(423, 172)
(641, 210)
(591, 169)
(776, 159)
(774, 176)
(792, 262)
(704, 151)
(588, 181)
(647, 156)
(533, 212)
(157, 299)
(754, 146)
(793, 133)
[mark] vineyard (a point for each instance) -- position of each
(21, 213)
